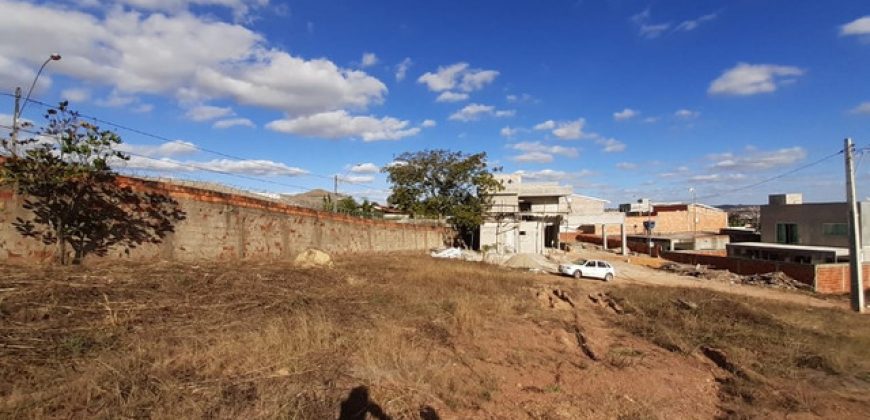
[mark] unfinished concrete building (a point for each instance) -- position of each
(525, 217)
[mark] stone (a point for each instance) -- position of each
(313, 258)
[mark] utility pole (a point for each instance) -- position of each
(15, 113)
(335, 194)
(856, 257)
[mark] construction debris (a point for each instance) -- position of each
(457, 254)
(776, 279)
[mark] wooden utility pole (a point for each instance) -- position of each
(856, 257)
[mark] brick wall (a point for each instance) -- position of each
(835, 278)
(675, 219)
(229, 226)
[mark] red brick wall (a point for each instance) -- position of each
(835, 278)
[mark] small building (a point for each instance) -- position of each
(589, 215)
(672, 218)
(809, 233)
(524, 217)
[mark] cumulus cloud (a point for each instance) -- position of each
(857, 27)
(356, 179)
(473, 112)
(368, 60)
(449, 96)
(457, 76)
(520, 99)
(191, 57)
(168, 149)
(428, 123)
(626, 166)
(207, 112)
(340, 124)
(240, 8)
(365, 168)
(611, 145)
(686, 114)
(553, 175)
(508, 132)
(75, 95)
(625, 114)
(402, 68)
(233, 122)
(749, 79)
(541, 153)
(245, 167)
(861, 109)
(566, 130)
(753, 160)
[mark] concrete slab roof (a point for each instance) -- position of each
(768, 245)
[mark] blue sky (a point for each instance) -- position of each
(620, 99)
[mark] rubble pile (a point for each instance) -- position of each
(776, 279)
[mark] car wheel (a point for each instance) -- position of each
(578, 275)
(608, 277)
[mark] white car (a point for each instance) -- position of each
(589, 268)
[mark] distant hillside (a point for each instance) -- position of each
(311, 199)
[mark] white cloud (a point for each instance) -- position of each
(356, 179)
(553, 175)
(168, 149)
(233, 122)
(625, 114)
(611, 145)
(246, 167)
(191, 57)
(714, 178)
(546, 125)
(750, 79)
(692, 24)
(520, 99)
(340, 124)
(508, 132)
(207, 112)
(368, 60)
(753, 160)
(651, 120)
(473, 112)
(240, 8)
(626, 166)
(75, 95)
(457, 76)
(862, 109)
(365, 168)
(860, 26)
(449, 96)
(143, 108)
(647, 29)
(536, 152)
(116, 99)
(428, 123)
(402, 68)
(566, 130)
(686, 114)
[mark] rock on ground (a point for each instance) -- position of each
(313, 258)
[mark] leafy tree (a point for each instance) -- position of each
(76, 200)
(347, 205)
(443, 184)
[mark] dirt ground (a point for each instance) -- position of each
(407, 336)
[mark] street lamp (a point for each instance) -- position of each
(19, 107)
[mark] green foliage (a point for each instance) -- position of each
(442, 183)
(346, 205)
(64, 178)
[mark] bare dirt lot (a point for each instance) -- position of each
(406, 336)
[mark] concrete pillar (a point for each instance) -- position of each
(624, 239)
(604, 235)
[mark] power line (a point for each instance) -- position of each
(169, 140)
(773, 178)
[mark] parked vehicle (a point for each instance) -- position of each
(589, 268)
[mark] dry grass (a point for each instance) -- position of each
(412, 335)
(229, 341)
(789, 358)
